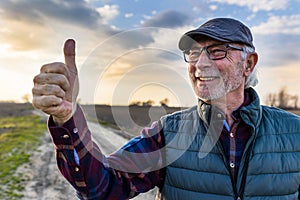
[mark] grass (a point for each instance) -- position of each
(19, 136)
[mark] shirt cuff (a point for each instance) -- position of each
(68, 135)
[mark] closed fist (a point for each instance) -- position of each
(56, 87)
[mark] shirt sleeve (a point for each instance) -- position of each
(137, 167)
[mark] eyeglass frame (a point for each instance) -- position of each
(228, 46)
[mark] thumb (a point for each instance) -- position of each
(69, 53)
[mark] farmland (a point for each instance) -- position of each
(20, 133)
(127, 118)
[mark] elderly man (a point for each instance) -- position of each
(226, 147)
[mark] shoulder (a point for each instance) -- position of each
(280, 120)
(187, 113)
(278, 113)
(180, 120)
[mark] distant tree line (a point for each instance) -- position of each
(150, 102)
(282, 99)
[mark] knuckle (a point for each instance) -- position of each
(55, 67)
(34, 90)
(47, 87)
(63, 81)
(36, 102)
(46, 101)
(43, 68)
(47, 67)
(54, 101)
(53, 89)
(58, 91)
(36, 78)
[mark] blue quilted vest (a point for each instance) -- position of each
(197, 167)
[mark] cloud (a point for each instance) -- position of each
(128, 15)
(167, 19)
(23, 37)
(277, 50)
(108, 12)
(213, 7)
(35, 11)
(131, 70)
(277, 39)
(120, 56)
(279, 25)
(36, 24)
(257, 5)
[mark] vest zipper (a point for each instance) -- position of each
(220, 147)
(245, 159)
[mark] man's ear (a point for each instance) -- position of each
(251, 62)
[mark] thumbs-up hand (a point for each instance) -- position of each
(56, 87)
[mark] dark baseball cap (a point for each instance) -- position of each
(221, 29)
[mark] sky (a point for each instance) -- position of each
(127, 50)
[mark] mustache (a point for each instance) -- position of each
(207, 73)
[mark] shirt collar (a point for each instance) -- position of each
(207, 111)
(247, 100)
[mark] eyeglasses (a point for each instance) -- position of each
(214, 52)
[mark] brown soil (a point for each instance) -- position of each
(14, 109)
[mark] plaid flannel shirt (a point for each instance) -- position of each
(91, 174)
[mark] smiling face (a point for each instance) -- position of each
(213, 79)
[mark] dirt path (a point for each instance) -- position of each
(46, 182)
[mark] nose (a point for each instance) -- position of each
(203, 61)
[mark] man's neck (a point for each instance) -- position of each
(229, 103)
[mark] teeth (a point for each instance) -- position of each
(206, 78)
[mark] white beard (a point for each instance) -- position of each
(226, 85)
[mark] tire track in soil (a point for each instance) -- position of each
(45, 180)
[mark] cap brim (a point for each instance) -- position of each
(188, 39)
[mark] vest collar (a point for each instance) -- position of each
(250, 114)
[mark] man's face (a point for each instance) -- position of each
(213, 79)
